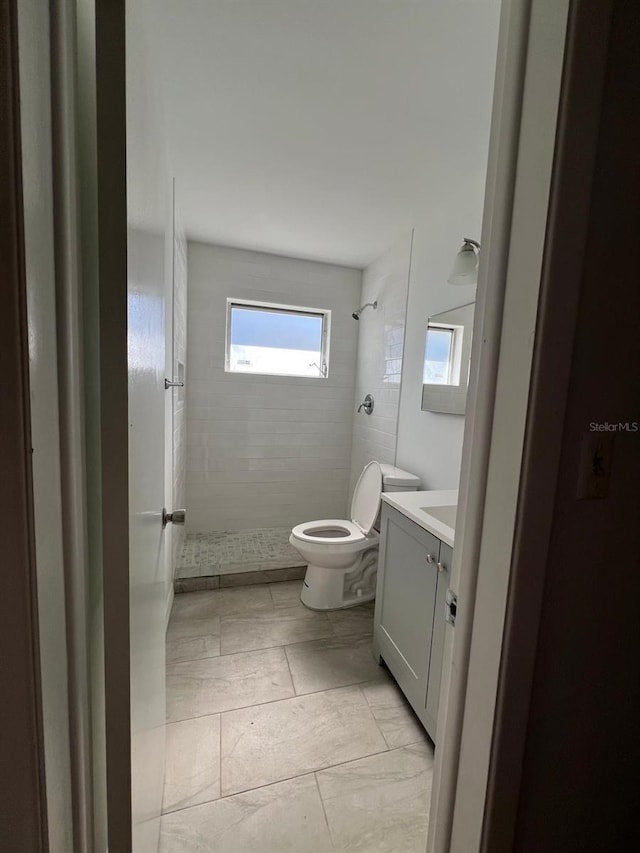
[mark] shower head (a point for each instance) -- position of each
(356, 314)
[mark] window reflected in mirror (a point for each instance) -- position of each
(439, 355)
(447, 355)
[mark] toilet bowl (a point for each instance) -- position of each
(342, 555)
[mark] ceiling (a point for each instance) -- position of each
(322, 129)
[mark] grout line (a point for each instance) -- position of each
(373, 716)
(228, 655)
(291, 778)
(220, 755)
(346, 637)
(324, 810)
(329, 636)
(332, 636)
(272, 701)
(286, 657)
(317, 770)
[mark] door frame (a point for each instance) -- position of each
(113, 427)
(514, 428)
(457, 793)
(23, 816)
(584, 76)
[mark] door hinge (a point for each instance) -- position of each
(451, 607)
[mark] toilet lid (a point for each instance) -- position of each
(366, 497)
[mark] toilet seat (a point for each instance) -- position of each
(319, 532)
(333, 532)
(341, 554)
(365, 502)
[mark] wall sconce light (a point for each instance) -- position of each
(465, 265)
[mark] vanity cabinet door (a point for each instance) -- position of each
(405, 601)
(437, 642)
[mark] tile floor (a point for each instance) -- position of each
(284, 734)
(233, 551)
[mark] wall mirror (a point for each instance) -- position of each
(447, 353)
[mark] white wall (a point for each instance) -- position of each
(266, 451)
(430, 444)
(379, 362)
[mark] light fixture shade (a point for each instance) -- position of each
(465, 265)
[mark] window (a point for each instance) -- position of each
(277, 340)
(438, 355)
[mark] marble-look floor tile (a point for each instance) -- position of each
(335, 662)
(199, 687)
(380, 804)
(192, 773)
(193, 649)
(262, 630)
(217, 602)
(353, 621)
(286, 593)
(282, 818)
(187, 629)
(279, 740)
(393, 714)
(192, 639)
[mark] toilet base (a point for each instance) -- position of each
(334, 589)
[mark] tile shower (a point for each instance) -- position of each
(266, 453)
(215, 559)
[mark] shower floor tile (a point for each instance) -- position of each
(237, 551)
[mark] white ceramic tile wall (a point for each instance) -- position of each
(380, 351)
(266, 451)
(179, 395)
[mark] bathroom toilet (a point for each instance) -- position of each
(343, 554)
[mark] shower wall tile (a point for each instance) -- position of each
(379, 360)
(266, 451)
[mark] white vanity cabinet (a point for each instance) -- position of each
(413, 576)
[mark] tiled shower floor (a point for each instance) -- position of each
(231, 552)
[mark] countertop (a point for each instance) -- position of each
(410, 505)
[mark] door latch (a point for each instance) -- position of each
(178, 516)
(451, 607)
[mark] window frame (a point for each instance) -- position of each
(454, 342)
(280, 308)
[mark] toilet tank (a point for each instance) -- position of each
(396, 480)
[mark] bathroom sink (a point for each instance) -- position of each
(445, 514)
